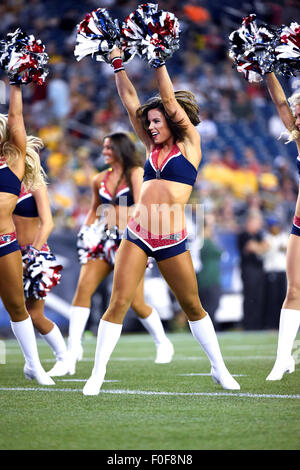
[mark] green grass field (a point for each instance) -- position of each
(147, 406)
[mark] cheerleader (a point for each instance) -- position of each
(115, 191)
(33, 221)
(19, 162)
(260, 51)
(166, 125)
(289, 112)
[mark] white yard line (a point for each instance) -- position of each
(81, 380)
(150, 393)
(148, 358)
(207, 374)
(175, 358)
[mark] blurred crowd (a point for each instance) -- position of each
(78, 105)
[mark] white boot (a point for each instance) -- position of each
(24, 332)
(204, 332)
(288, 327)
(164, 347)
(78, 320)
(107, 338)
(56, 342)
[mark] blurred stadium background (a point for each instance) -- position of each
(246, 164)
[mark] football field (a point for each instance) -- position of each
(146, 406)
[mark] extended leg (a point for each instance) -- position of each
(91, 275)
(12, 295)
(130, 266)
(290, 314)
(50, 332)
(180, 275)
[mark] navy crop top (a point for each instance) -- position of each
(175, 167)
(123, 196)
(9, 182)
(26, 205)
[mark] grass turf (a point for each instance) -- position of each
(193, 413)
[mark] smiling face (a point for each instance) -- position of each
(108, 153)
(158, 127)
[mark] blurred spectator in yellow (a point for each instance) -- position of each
(215, 171)
(85, 172)
(267, 179)
(51, 134)
(63, 196)
(58, 159)
(228, 158)
(244, 182)
(250, 157)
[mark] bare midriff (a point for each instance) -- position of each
(161, 206)
(27, 228)
(8, 203)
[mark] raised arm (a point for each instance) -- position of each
(15, 119)
(279, 99)
(130, 100)
(171, 105)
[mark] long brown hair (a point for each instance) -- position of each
(187, 101)
(125, 151)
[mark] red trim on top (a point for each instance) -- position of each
(119, 188)
(297, 221)
(155, 154)
(23, 192)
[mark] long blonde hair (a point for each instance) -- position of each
(34, 175)
(293, 133)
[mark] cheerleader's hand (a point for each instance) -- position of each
(97, 35)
